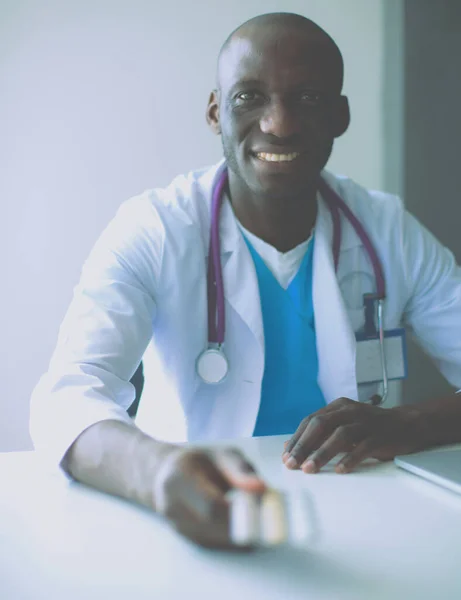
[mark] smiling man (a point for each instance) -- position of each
(273, 293)
(289, 63)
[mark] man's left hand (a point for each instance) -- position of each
(359, 430)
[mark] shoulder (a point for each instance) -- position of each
(160, 212)
(143, 223)
(366, 204)
(182, 194)
(187, 193)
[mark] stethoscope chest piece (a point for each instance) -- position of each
(212, 365)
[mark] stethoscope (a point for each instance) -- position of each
(212, 364)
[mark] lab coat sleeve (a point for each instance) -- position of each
(104, 333)
(433, 310)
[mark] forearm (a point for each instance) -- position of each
(118, 459)
(435, 422)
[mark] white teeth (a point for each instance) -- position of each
(277, 157)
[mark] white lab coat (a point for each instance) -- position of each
(145, 283)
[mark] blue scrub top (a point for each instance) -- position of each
(290, 390)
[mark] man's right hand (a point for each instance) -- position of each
(186, 485)
(190, 487)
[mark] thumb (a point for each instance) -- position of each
(239, 472)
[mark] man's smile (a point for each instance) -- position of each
(272, 157)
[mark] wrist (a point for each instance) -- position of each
(150, 456)
(434, 423)
(416, 427)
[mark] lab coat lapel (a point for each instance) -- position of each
(241, 288)
(336, 344)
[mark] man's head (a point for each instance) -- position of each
(278, 103)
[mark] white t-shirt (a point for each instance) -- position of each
(283, 265)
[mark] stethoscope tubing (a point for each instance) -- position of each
(215, 284)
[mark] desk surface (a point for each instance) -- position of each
(380, 534)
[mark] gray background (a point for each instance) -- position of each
(432, 136)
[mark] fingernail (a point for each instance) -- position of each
(291, 463)
(341, 468)
(250, 483)
(309, 466)
(285, 456)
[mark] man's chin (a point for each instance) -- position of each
(275, 181)
(281, 185)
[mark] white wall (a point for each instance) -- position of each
(100, 100)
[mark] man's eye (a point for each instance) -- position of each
(246, 97)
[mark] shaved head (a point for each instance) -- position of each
(277, 26)
(279, 82)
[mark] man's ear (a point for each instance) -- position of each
(212, 112)
(341, 117)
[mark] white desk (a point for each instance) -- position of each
(382, 534)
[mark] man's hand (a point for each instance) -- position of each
(190, 489)
(359, 430)
(188, 486)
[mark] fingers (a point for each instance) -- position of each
(320, 427)
(190, 485)
(291, 443)
(238, 472)
(333, 406)
(359, 430)
(212, 538)
(313, 435)
(191, 491)
(210, 530)
(362, 451)
(326, 434)
(342, 439)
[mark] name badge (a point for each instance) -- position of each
(368, 356)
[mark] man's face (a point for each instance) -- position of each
(278, 111)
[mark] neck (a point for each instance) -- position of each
(284, 223)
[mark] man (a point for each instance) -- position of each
(289, 326)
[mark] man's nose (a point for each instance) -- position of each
(279, 120)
